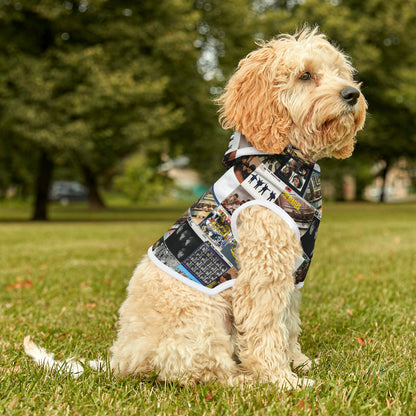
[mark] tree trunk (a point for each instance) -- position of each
(42, 185)
(90, 179)
(384, 173)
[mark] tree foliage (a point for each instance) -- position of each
(85, 84)
(142, 182)
(88, 85)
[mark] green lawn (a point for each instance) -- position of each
(62, 282)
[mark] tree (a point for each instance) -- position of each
(80, 84)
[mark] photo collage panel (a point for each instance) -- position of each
(200, 245)
(245, 166)
(302, 270)
(313, 193)
(295, 173)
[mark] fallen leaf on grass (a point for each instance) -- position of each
(302, 405)
(91, 305)
(340, 303)
(350, 312)
(359, 277)
(361, 341)
(209, 396)
(20, 285)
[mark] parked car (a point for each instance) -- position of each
(68, 191)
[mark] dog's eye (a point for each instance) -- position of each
(306, 76)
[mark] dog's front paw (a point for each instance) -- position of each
(306, 382)
(295, 382)
(304, 364)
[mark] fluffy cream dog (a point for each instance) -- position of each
(293, 91)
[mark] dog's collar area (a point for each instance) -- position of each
(239, 146)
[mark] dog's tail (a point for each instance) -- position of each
(71, 366)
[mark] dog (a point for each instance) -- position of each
(290, 103)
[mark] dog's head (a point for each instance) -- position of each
(296, 90)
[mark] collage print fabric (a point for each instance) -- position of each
(200, 248)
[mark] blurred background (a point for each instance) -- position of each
(103, 101)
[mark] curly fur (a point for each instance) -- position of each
(250, 332)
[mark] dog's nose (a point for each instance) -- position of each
(350, 95)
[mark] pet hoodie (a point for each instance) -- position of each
(200, 248)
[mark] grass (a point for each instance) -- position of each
(62, 282)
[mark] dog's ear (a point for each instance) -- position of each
(251, 104)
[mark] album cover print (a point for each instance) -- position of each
(301, 212)
(292, 169)
(201, 208)
(229, 251)
(260, 184)
(228, 275)
(296, 173)
(309, 237)
(245, 166)
(302, 270)
(235, 199)
(205, 265)
(183, 242)
(217, 226)
(263, 184)
(164, 255)
(313, 193)
(274, 163)
(178, 223)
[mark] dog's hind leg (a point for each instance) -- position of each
(173, 329)
(293, 323)
(199, 350)
(268, 249)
